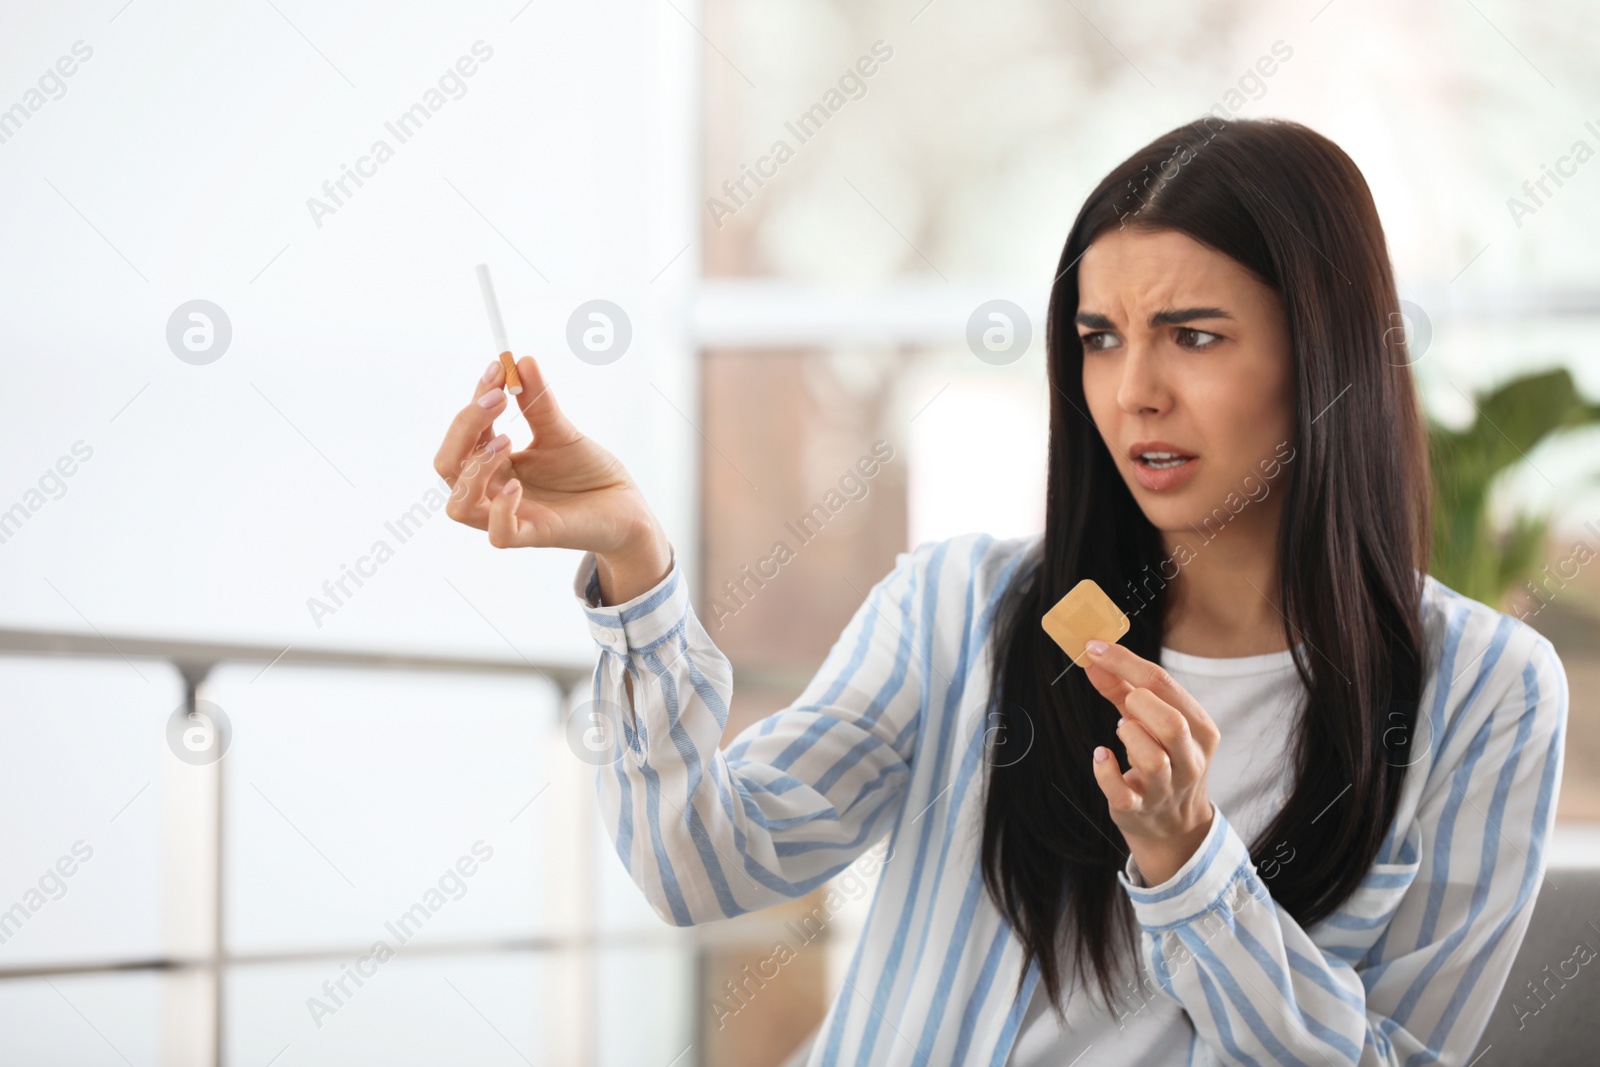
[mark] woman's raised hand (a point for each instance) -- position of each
(562, 491)
(1160, 803)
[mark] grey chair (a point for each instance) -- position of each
(1555, 1023)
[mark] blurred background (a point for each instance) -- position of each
(750, 243)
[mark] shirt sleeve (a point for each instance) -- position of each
(708, 834)
(1408, 969)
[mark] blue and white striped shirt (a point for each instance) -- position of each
(887, 739)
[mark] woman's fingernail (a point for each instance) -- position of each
(1096, 646)
(494, 368)
(1100, 754)
(1120, 722)
(499, 442)
(491, 398)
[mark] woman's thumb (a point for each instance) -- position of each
(538, 403)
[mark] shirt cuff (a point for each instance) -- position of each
(638, 624)
(1197, 885)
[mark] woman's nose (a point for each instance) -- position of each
(1142, 390)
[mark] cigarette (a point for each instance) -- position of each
(498, 327)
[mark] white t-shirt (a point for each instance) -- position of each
(1254, 701)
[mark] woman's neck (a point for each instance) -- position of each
(1224, 600)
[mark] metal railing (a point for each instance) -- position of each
(194, 661)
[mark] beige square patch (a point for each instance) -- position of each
(1083, 614)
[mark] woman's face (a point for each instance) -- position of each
(1186, 352)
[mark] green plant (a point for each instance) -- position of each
(1471, 555)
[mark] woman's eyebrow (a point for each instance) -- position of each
(1178, 316)
(1165, 317)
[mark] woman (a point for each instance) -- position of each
(1297, 815)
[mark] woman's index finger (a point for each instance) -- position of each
(1140, 673)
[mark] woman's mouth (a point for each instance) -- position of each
(1161, 461)
(1159, 466)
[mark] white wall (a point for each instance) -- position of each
(177, 165)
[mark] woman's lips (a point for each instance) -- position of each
(1162, 479)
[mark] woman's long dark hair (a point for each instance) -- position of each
(1290, 206)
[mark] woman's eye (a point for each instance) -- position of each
(1192, 338)
(1098, 340)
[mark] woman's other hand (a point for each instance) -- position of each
(562, 491)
